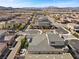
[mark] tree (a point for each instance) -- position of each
(56, 17)
(21, 26)
(31, 26)
(76, 35)
(24, 43)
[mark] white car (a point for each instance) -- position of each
(23, 51)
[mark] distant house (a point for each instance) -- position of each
(5, 18)
(77, 21)
(65, 20)
(2, 25)
(42, 22)
(73, 27)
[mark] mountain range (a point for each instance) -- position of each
(39, 8)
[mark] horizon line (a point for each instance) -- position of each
(40, 7)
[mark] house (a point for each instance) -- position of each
(55, 40)
(40, 45)
(61, 31)
(3, 50)
(4, 37)
(29, 32)
(9, 39)
(74, 48)
(69, 37)
(2, 34)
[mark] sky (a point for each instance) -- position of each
(39, 3)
